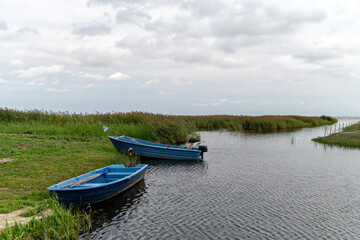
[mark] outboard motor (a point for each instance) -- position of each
(203, 149)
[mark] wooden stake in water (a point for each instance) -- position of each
(325, 131)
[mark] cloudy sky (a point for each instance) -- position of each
(249, 57)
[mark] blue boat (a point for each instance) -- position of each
(98, 185)
(157, 150)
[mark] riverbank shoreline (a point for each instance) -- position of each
(349, 137)
(40, 149)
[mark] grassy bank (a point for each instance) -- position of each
(349, 137)
(62, 223)
(34, 162)
(39, 149)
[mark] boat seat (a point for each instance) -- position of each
(88, 185)
(118, 174)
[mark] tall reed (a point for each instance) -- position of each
(149, 126)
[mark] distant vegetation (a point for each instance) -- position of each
(349, 137)
(154, 127)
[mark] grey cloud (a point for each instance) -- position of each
(302, 17)
(191, 55)
(315, 55)
(3, 25)
(257, 20)
(93, 58)
(203, 8)
(233, 44)
(132, 15)
(178, 26)
(27, 30)
(140, 43)
(91, 29)
(114, 3)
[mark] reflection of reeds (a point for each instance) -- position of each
(153, 127)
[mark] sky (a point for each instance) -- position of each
(187, 57)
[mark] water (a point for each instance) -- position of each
(249, 186)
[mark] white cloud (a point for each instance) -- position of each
(16, 63)
(39, 71)
(290, 62)
(118, 76)
(201, 104)
(218, 103)
(179, 82)
(92, 76)
(34, 83)
(3, 81)
(56, 90)
(152, 82)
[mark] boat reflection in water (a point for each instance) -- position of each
(118, 217)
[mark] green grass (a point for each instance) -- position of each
(62, 223)
(39, 162)
(349, 137)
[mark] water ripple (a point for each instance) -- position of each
(249, 187)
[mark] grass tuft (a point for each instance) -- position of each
(62, 223)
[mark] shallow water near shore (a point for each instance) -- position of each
(250, 186)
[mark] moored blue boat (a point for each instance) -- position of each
(98, 185)
(157, 150)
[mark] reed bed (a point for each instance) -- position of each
(153, 127)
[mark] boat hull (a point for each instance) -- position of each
(101, 188)
(155, 150)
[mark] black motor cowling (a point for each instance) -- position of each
(203, 148)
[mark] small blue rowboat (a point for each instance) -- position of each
(157, 150)
(98, 185)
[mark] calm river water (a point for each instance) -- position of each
(249, 186)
